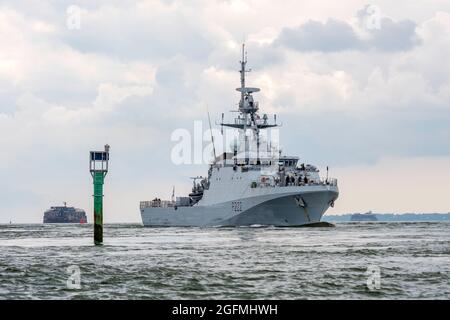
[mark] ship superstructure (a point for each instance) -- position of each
(254, 184)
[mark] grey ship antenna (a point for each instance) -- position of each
(242, 102)
(212, 136)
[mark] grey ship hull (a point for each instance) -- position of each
(289, 207)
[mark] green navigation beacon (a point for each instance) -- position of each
(98, 166)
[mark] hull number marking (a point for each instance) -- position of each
(236, 206)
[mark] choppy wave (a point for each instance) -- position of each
(227, 263)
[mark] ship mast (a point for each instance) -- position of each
(243, 63)
(248, 109)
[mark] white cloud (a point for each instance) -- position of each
(334, 35)
(135, 71)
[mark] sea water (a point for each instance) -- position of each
(364, 260)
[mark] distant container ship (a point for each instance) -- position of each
(368, 216)
(65, 214)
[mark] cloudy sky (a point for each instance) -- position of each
(363, 87)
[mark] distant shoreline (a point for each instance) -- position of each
(382, 217)
(393, 217)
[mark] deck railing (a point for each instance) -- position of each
(255, 184)
(157, 204)
(296, 183)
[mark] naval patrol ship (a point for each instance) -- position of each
(248, 187)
